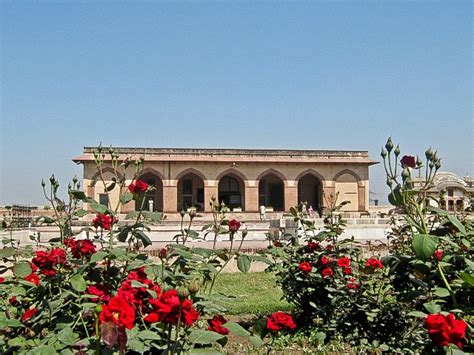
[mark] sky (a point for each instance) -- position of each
(341, 75)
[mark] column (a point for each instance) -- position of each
(251, 196)
(130, 206)
(361, 195)
(210, 191)
(170, 196)
(90, 192)
(291, 194)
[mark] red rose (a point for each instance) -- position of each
(2, 280)
(41, 259)
(138, 186)
(166, 309)
(29, 313)
(33, 278)
(327, 272)
(344, 262)
(215, 324)
(104, 221)
(438, 254)
(305, 267)
(445, 330)
(13, 301)
(325, 260)
(329, 247)
(373, 263)
(98, 290)
(57, 256)
(118, 311)
(352, 284)
(80, 248)
(347, 270)
(137, 295)
(408, 161)
(163, 253)
(312, 246)
(279, 320)
(234, 225)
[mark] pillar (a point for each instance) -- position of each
(129, 206)
(251, 198)
(210, 191)
(291, 194)
(170, 198)
(90, 192)
(361, 196)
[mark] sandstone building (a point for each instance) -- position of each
(242, 178)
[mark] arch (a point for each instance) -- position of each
(191, 171)
(190, 190)
(96, 176)
(274, 172)
(348, 190)
(151, 171)
(231, 171)
(231, 190)
(349, 172)
(310, 190)
(271, 190)
(313, 173)
(152, 200)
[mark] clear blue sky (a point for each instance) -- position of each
(312, 75)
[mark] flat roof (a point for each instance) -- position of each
(230, 154)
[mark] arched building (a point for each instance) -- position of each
(243, 179)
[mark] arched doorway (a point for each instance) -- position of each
(153, 200)
(190, 192)
(347, 189)
(231, 191)
(310, 191)
(271, 192)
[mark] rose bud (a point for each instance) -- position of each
(397, 151)
(389, 144)
(193, 287)
(183, 293)
(383, 153)
(182, 213)
(192, 212)
(429, 154)
(405, 173)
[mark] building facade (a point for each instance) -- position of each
(244, 179)
(451, 192)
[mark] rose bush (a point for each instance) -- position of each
(100, 294)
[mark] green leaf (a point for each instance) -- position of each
(98, 256)
(143, 237)
(237, 329)
(441, 292)
(126, 198)
(7, 252)
(205, 351)
(204, 337)
(67, 336)
(97, 207)
(78, 283)
(42, 350)
(424, 245)
(417, 314)
(256, 341)
(149, 335)
(455, 222)
(78, 194)
(152, 216)
(432, 307)
(243, 263)
(469, 279)
(136, 345)
(22, 269)
(17, 291)
(131, 215)
(80, 213)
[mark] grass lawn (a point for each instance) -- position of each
(255, 293)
